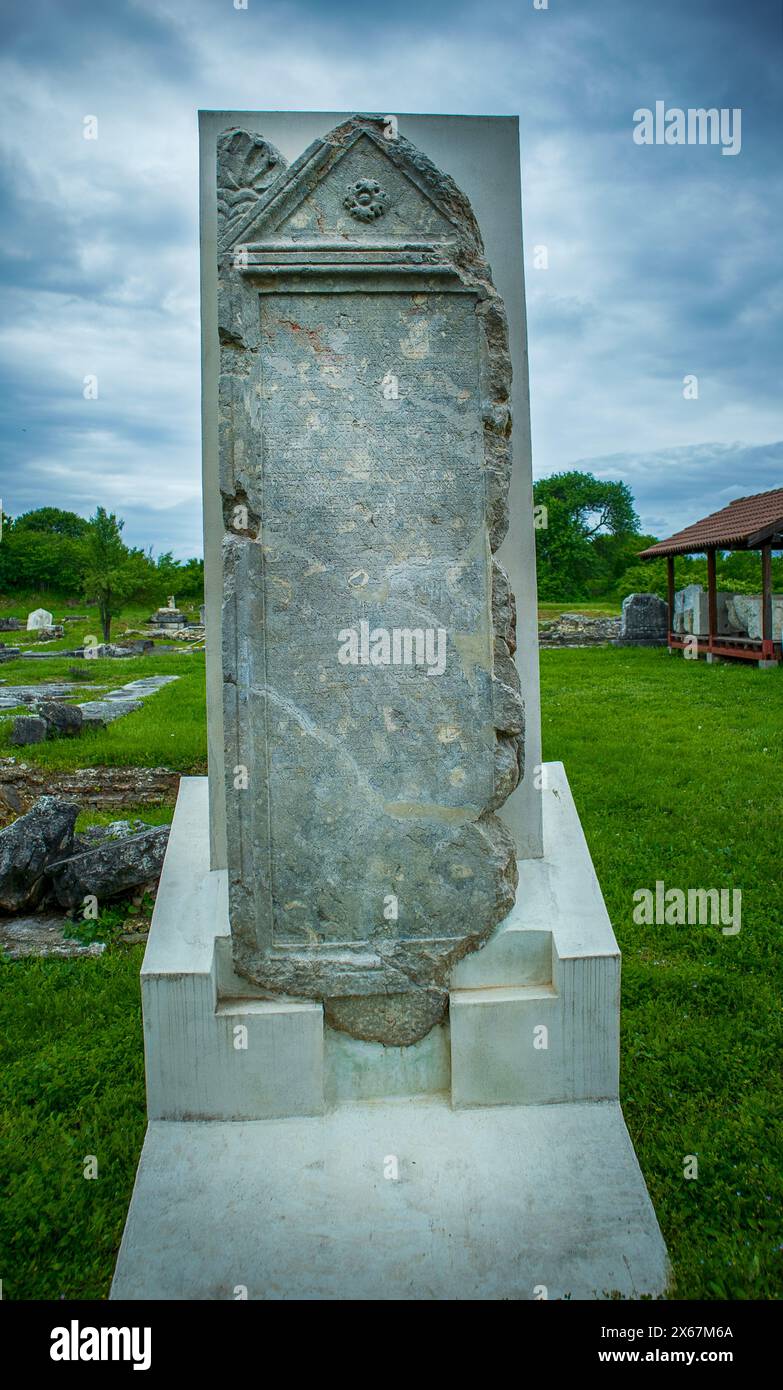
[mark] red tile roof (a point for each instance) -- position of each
(730, 528)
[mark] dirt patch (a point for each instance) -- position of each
(42, 934)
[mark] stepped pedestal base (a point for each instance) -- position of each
(284, 1160)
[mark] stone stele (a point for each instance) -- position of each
(372, 709)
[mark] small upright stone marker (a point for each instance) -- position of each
(39, 618)
(645, 621)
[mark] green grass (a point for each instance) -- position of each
(61, 606)
(71, 1085)
(592, 608)
(152, 815)
(168, 731)
(675, 768)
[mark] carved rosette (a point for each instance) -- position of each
(366, 200)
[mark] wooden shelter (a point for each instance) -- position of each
(749, 523)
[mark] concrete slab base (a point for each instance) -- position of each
(394, 1200)
(488, 1161)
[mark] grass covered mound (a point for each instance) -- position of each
(675, 767)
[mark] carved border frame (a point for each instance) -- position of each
(253, 260)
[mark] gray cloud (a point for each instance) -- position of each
(662, 260)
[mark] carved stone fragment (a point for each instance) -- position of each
(373, 716)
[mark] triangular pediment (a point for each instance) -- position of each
(357, 185)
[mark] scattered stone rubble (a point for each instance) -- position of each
(577, 630)
(99, 788)
(43, 934)
(13, 695)
(43, 861)
(103, 649)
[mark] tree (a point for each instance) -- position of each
(33, 561)
(589, 522)
(113, 572)
(53, 521)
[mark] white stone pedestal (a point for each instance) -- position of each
(488, 1161)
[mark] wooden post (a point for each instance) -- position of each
(766, 602)
(670, 572)
(712, 599)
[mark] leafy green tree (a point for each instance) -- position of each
(183, 579)
(33, 560)
(113, 572)
(53, 521)
(191, 580)
(588, 521)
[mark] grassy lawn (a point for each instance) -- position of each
(593, 608)
(168, 730)
(676, 771)
(675, 767)
(60, 606)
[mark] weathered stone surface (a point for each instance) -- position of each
(28, 728)
(380, 1017)
(114, 864)
(29, 846)
(373, 713)
(62, 721)
(578, 630)
(743, 615)
(645, 620)
(10, 625)
(168, 616)
(114, 649)
(504, 608)
(691, 613)
(39, 618)
(125, 700)
(247, 165)
(11, 695)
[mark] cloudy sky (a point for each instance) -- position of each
(664, 260)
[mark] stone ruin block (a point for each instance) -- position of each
(744, 615)
(645, 620)
(692, 611)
